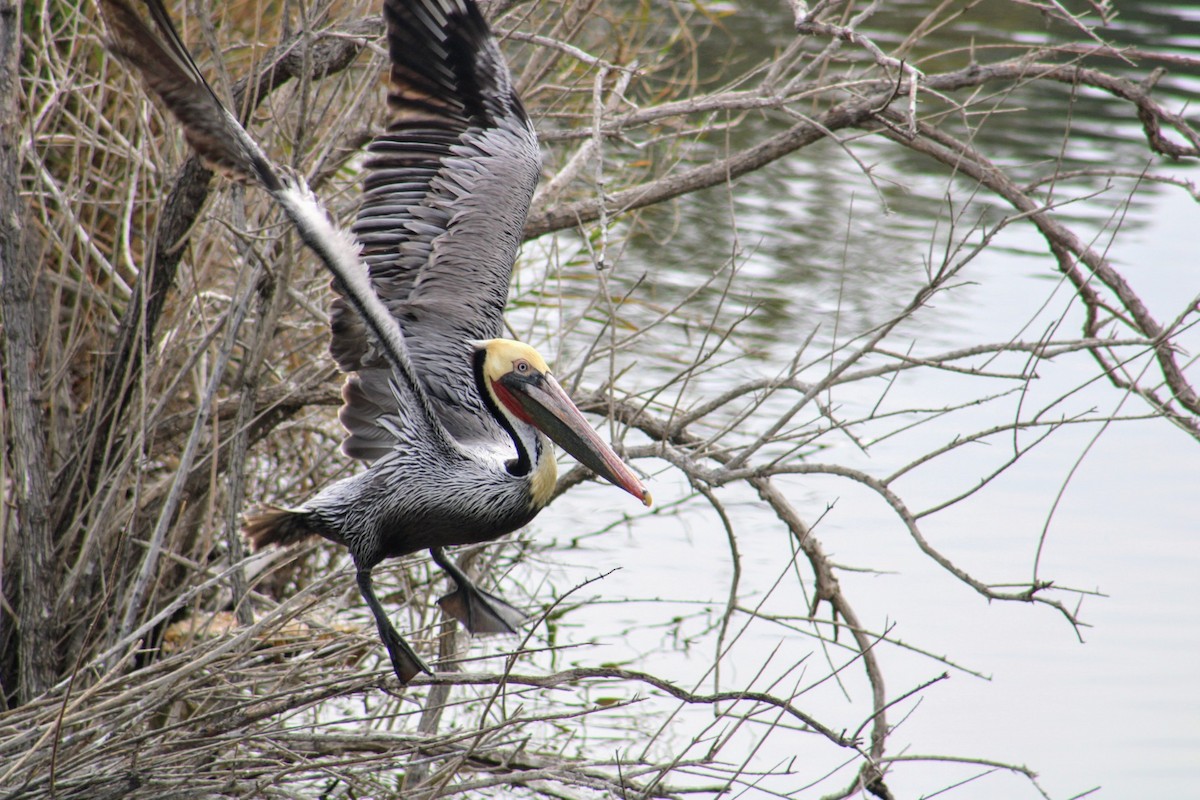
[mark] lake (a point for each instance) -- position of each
(1108, 512)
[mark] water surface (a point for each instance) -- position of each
(1113, 510)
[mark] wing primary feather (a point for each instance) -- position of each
(170, 72)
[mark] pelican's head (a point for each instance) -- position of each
(520, 384)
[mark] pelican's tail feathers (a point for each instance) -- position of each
(270, 525)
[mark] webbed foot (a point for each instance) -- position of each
(480, 612)
(405, 662)
(477, 610)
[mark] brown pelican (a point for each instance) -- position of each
(453, 419)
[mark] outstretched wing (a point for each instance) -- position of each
(168, 69)
(447, 189)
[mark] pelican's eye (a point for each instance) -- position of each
(521, 367)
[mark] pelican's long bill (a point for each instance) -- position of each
(550, 409)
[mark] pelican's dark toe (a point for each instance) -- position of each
(405, 662)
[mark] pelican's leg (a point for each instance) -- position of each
(478, 611)
(406, 663)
